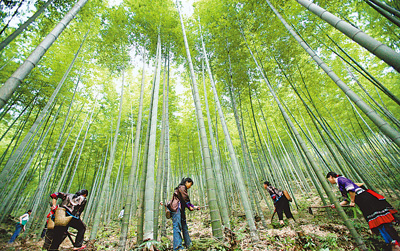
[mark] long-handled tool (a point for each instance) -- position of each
(311, 212)
(165, 205)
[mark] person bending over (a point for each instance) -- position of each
(373, 206)
(281, 203)
(74, 204)
(20, 225)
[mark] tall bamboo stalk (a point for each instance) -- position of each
(9, 87)
(210, 180)
(217, 163)
(380, 50)
(232, 154)
(21, 28)
(131, 180)
(106, 185)
(148, 232)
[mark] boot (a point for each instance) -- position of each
(395, 245)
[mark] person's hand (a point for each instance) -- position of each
(191, 208)
(343, 203)
(197, 208)
(352, 204)
(53, 207)
(333, 206)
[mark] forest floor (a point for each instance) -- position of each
(322, 230)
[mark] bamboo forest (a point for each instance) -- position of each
(199, 125)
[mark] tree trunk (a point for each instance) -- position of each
(160, 164)
(166, 158)
(131, 180)
(105, 189)
(148, 232)
(380, 50)
(20, 29)
(16, 79)
(235, 163)
(211, 193)
(217, 164)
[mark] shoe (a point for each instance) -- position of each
(395, 245)
(395, 248)
(80, 248)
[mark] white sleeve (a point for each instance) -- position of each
(350, 187)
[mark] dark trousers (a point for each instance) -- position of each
(387, 231)
(282, 206)
(58, 236)
(44, 231)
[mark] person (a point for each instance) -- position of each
(180, 201)
(48, 232)
(372, 205)
(20, 225)
(281, 203)
(49, 215)
(74, 205)
(121, 214)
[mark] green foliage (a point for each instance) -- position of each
(148, 244)
(208, 244)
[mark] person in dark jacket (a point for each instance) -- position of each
(74, 205)
(281, 203)
(373, 206)
(180, 201)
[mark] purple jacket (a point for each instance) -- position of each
(346, 185)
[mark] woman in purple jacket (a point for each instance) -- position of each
(374, 207)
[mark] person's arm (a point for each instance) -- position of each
(351, 189)
(352, 198)
(347, 186)
(344, 196)
(54, 197)
(20, 221)
(53, 204)
(20, 218)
